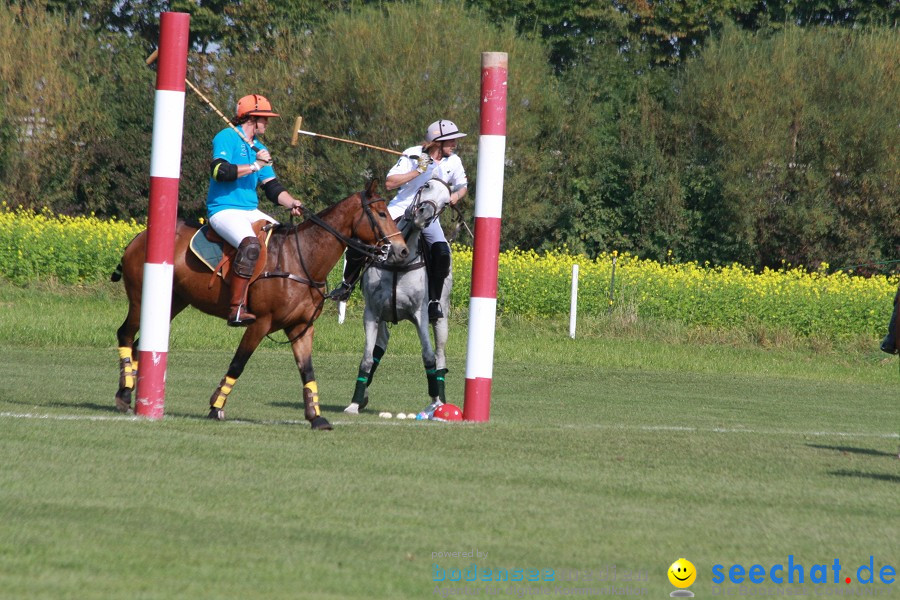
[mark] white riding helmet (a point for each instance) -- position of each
(443, 130)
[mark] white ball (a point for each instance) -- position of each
(401, 415)
(385, 415)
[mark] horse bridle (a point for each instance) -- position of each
(378, 251)
(417, 200)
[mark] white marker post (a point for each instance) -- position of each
(573, 305)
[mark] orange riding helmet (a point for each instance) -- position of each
(255, 105)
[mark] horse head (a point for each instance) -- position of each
(430, 201)
(376, 228)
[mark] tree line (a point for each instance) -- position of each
(728, 130)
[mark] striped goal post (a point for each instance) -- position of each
(165, 170)
(486, 246)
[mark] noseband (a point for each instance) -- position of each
(418, 202)
(377, 252)
(381, 249)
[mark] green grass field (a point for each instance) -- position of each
(632, 445)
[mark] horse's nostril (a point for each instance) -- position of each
(404, 253)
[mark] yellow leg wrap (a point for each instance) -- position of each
(221, 394)
(311, 400)
(127, 368)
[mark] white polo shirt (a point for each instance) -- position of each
(450, 169)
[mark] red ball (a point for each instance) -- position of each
(448, 412)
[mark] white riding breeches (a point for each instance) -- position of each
(234, 224)
(434, 233)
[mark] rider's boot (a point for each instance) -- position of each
(244, 263)
(889, 343)
(352, 269)
(438, 269)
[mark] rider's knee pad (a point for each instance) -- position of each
(440, 258)
(246, 257)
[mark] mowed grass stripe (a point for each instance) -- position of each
(601, 450)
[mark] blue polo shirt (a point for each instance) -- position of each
(240, 193)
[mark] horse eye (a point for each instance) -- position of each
(382, 214)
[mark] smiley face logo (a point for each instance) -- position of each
(682, 573)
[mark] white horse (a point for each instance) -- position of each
(399, 291)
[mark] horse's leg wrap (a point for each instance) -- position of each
(311, 400)
(436, 383)
(359, 393)
(127, 379)
(439, 376)
(377, 353)
(311, 406)
(220, 396)
(126, 369)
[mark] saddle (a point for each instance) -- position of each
(217, 254)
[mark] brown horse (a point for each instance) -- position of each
(288, 295)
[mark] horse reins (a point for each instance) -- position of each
(395, 270)
(373, 252)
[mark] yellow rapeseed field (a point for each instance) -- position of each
(84, 249)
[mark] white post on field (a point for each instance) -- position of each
(342, 306)
(573, 306)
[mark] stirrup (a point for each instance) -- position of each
(434, 311)
(240, 317)
(341, 293)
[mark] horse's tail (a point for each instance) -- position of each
(117, 274)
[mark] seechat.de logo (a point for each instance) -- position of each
(794, 572)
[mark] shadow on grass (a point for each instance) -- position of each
(326, 408)
(238, 419)
(860, 474)
(852, 450)
(105, 408)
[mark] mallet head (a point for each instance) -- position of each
(296, 135)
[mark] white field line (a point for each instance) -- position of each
(342, 423)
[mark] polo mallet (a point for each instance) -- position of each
(152, 59)
(297, 132)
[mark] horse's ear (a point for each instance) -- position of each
(372, 187)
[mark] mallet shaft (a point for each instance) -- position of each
(152, 58)
(337, 139)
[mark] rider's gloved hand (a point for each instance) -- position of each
(422, 163)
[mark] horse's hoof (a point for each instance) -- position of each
(217, 414)
(352, 408)
(321, 423)
(123, 405)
